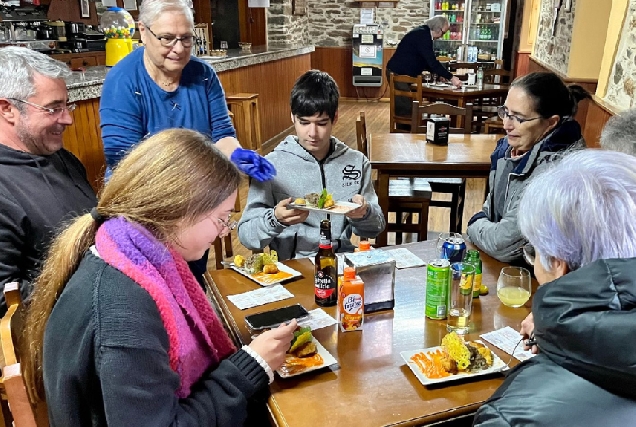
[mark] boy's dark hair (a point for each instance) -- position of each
(315, 92)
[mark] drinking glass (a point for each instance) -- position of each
(460, 298)
(427, 77)
(514, 286)
(434, 77)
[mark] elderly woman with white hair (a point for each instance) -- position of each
(160, 86)
(579, 218)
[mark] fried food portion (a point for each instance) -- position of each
(270, 269)
(448, 364)
(239, 261)
(300, 202)
(306, 350)
(455, 347)
(256, 263)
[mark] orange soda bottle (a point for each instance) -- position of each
(351, 301)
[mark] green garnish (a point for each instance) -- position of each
(322, 199)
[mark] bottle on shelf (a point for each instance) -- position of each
(326, 269)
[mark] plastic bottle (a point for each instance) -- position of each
(351, 302)
(480, 77)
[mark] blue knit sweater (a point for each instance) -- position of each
(133, 106)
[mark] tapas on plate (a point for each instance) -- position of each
(453, 360)
(305, 354)
(263, 268)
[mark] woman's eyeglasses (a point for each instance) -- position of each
(171, 41)
(528, 253)
(503, 114)
(228, 223)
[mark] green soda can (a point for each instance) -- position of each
(438, 279)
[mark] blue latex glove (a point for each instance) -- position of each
(253, 164)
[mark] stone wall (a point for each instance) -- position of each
(330, 22)
(554, 51)
(620, 87)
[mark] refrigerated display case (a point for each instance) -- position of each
(478, 23)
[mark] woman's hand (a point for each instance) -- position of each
(272, 345)
(527, 331)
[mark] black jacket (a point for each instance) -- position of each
(415, 54)
(106, 363)
(585, 375)
(37, 195)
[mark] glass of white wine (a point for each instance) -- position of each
(514, 286)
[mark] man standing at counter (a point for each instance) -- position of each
(160, 86)
(415, 54)
(42, 185)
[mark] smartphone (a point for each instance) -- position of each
(273, 318)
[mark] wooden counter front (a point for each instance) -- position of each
(373, 386)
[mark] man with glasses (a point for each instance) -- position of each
(42, 185)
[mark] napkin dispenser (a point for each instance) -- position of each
(437, 130)
(377, 270)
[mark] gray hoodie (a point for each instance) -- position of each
(344, 173)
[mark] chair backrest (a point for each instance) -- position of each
(23, 412)
(361, 133)
(223, 245)
(497, 76)
(408, 87)
(418, 122)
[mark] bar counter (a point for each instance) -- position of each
(239, 72)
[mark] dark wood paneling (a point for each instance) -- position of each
(273, 82)
(522, 64)
(253, 24)
(84, 140)
(597, 117)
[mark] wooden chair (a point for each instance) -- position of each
(497, 76)
(414, 95)
(223, 246)
(408, 197)
(456, 187)
(13, 388)
(494, 125)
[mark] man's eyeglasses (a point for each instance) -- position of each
(228, 223)
(503, 114)
(528, 253)
(51, 111)
(171, 41)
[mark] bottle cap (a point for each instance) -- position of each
(364, 245)
(349, 273)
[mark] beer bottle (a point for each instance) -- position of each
(326, 277)
(472, 257)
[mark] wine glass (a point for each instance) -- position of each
(427, 77)
(514, 286)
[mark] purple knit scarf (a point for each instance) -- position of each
(197, 338)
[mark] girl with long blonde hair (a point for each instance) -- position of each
(118, 329)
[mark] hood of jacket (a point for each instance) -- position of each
(291, 146)
(564, 137)
(585, 322)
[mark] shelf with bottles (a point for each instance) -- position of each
(448, 5)
(482, 41)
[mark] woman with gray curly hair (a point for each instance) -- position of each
(579, 218)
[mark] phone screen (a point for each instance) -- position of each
(273, 318)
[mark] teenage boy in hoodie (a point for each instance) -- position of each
(41, 184)
(307, 163)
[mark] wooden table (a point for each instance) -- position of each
(373, 386)
(407, 154)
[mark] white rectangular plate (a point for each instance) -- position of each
(497, 366)
(260, 280)
(327, 360)
(339, 207)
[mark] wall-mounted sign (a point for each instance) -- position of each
(257, 3)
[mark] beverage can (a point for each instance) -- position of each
(438, 279)
(453, 249)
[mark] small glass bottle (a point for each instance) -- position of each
(326, 269)
(472, 257)
(480, 77)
